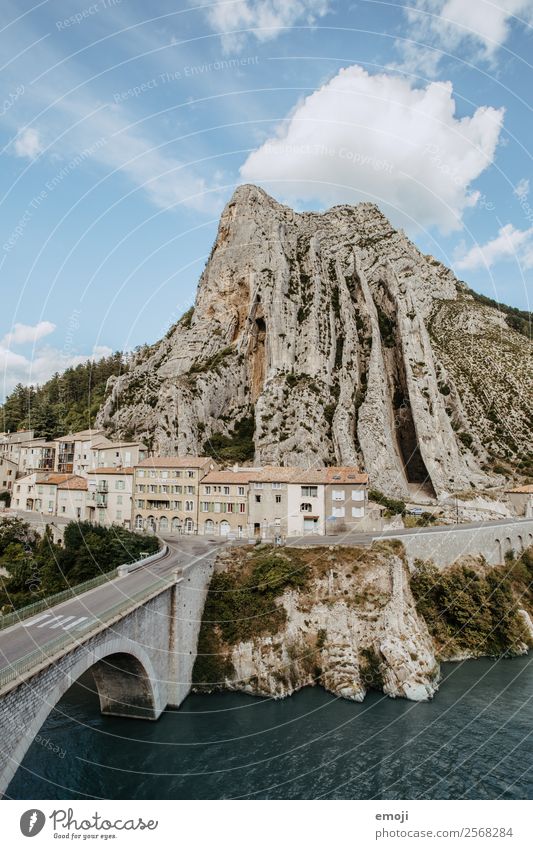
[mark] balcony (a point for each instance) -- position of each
(102, 486)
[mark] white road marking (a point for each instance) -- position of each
(45, 624)
(35, 620)
(62, 622)
(75, 623)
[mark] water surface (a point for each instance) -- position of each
(472, 741)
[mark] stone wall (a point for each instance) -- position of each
(445, 547)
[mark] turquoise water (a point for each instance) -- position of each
(472, 741)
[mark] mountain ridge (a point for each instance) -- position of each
(332, 331)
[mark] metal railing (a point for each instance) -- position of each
(50, 601)
(23, 613)
(68, 640)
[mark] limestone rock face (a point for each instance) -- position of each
(354, 627)
(318, 326)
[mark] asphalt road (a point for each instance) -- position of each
(77, 614)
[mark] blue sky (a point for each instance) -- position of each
(126, 126)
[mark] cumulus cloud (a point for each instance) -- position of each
(45, 361)
(28, 144)
(22, 334)
(377, 138)
(508, 244)
(265, 19)
(480, 27)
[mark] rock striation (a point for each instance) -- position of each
(345, 344)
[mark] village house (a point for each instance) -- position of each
(37, 492)
(73, 452)
(109, 496)
(105, 453)
(268, 501)
(224, 503)
(11, 443)
(166, 493)
(72, 498)
(8, 473)
(346, 494)
(36, 455)
(521, 497)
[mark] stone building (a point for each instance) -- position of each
(224, 503)
(72, 498)
(8, 473)
(37, 455)
(166, 493)
(109, 497)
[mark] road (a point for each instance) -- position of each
(77, 614)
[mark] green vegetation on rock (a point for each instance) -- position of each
(237, 447)
(474, 612)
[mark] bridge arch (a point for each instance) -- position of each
(126, 682)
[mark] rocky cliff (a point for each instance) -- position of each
(353, 619)
(330, 338)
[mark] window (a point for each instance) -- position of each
(337, 495)
(189, 506)
(190, 490)
(358, 495)
(152, 473)
(119, 499)
(310, 491)
(140, 474)
(176, 505)
(163, 523)
(305, 508)
(242, 508)
(278, 499)
(240, 490)
(139, 504)
(276, 485)
(119, 514)
(357, 512)
(338, 512)
(178, 489)
(258, 485)
(120, 485)
(258, 499)
(226, 490)
(164, 488)
(277, 522)
(190, 474)
(63, 509)
(207, 490)
(40, 490)
(216, 506)
(231, 508)
(164, 474)
(204, 506)
(138, 523)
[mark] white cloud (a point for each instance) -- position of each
(16, 368)
(509, 243)
(521, 190)
(22, 334)
(377, 138)
(480, 27)
(28, 143)
(264, 18)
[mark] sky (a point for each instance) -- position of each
(126, 126)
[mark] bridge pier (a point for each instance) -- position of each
(141, 662)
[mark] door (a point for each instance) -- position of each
(224, 528)
(310, 526)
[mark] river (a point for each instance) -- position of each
(472, 741)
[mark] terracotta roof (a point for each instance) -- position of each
(106, 443)
(80, 434)
(174, 462)
(112, 470)
(292, 474)
(345, 474)
(527, 488)
(74, 483)
(229, 477)
(51, 479)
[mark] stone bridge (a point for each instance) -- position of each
(141, 658)
(444, 545)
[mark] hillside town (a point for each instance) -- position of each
(84, 476)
